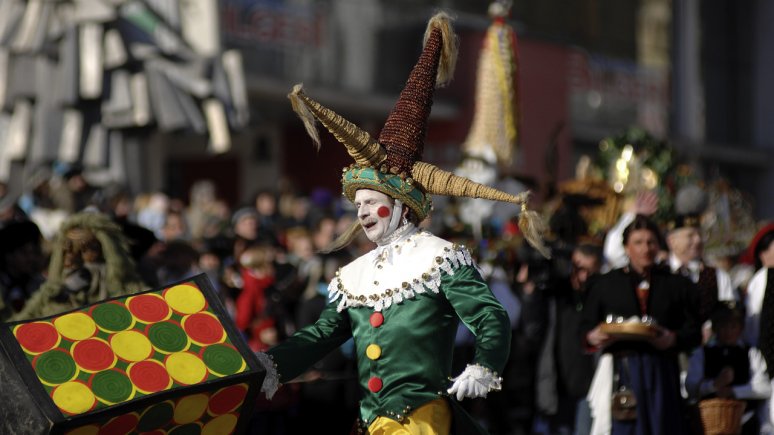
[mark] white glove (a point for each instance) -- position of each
(475, 381)
(271, 380)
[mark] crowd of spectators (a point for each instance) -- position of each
(266, 260)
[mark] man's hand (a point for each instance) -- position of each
(475, 381)
(646, 203)
(597, 338)
(664, 340)
(724, 378)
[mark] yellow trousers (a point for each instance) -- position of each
(432, 418)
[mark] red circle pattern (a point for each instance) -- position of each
(149, 308)
(121, 425)
(227, 399)
(37, 337)
(149, 376)
(203, 328)
(93, 355)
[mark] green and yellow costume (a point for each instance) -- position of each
(403, 312)
(402, 301)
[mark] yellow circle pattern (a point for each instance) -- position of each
(186, 368)
(75, 326)
(91, 429)
(185, 299)
(191, 408)
(131, 345)
(220, 425)
(373, 351)
(73, 397)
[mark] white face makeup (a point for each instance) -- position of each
(374, 210)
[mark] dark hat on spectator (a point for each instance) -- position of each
(17, 234)
(726, 312)
(690, 202)
(243, 213)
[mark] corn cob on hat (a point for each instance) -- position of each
(495, 123)
(392, 164)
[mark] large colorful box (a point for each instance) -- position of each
(165, 361)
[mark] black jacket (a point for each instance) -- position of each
(673, 302)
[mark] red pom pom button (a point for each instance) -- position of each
(375, 384)
(376, 319)
(383, 211)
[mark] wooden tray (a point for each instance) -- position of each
(629, 330)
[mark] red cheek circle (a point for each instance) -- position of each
(383, 211)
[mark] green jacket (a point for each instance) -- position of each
(404, 301)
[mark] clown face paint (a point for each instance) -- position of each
(374, 210)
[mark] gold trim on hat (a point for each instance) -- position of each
(435, 180)
(360, 145)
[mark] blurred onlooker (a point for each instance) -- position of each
(152, 212)
(728, 368)
(330, 391)
(245, 224)
(306, 265)
(256, 304)
(686, 250)
(266, 205)
(645, 204)
(38, 204)
(758, 294)
(201, 207)
(178, 261)
(175, 227)
(644, 371)
(21, 266)
(324, 232)
(565, 368)
(299, 213)
(532, 282)
(74, 193)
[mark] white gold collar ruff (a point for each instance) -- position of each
(392, 273)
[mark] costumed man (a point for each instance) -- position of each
(90, 261)
(686, 249)
(646, 370)
(401, 301)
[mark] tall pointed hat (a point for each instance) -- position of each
(495, 124)
(392, 164)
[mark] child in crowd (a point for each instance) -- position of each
(726, 367)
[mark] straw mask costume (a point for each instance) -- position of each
(402, 301)
(90, 261)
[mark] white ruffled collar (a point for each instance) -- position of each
(391, 273)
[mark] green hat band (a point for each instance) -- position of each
(391, 185)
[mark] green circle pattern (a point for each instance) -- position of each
(155, 417)
(186, 429)
(222, 359)
(167, 337)
(111, 386)
(112, 317)
(55, 367)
